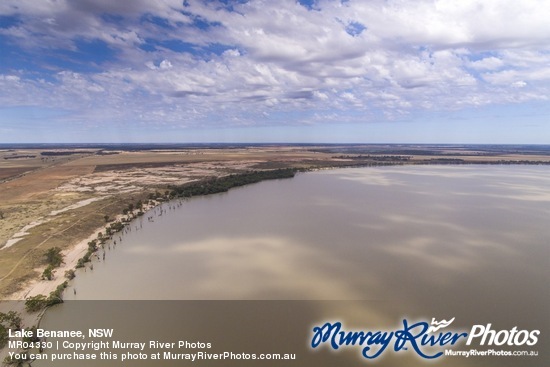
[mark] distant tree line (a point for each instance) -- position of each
(222, 184)
(381, 158)
(19, 156)
(481, 162)
(53, 153)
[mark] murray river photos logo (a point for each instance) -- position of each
(427, 340)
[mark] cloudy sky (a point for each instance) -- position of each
(396, 71)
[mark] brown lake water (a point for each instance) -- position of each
(368, 246)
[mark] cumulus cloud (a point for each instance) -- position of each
(487, 63)
(209, 62)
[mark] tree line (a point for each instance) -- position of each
(216, 185)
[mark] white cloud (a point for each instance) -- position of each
(511, 76)
(10, 78)
(487, 63)
(281, 57)
(519, 84)
(165, 64)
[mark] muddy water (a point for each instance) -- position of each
(470, 242)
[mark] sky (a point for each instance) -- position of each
(316, 71)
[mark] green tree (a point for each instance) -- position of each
(48, 273)
(3, 336)
(11, 319)
(36, 303)
(54, 257)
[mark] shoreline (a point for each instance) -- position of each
(71, 256)
(39, 286)
(70, 260)
(74, 253)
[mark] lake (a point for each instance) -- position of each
(369, 246)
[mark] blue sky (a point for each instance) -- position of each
(378, 71)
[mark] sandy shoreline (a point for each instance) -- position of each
(16, 301)
(71, 256)
(70, 259)
(39, 286)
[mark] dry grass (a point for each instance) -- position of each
(19, 262)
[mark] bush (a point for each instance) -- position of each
(36, 303)
(10, 320)
(40, 302)
(70, 274)
(54, 257)
(3, 336)
(48, 273)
